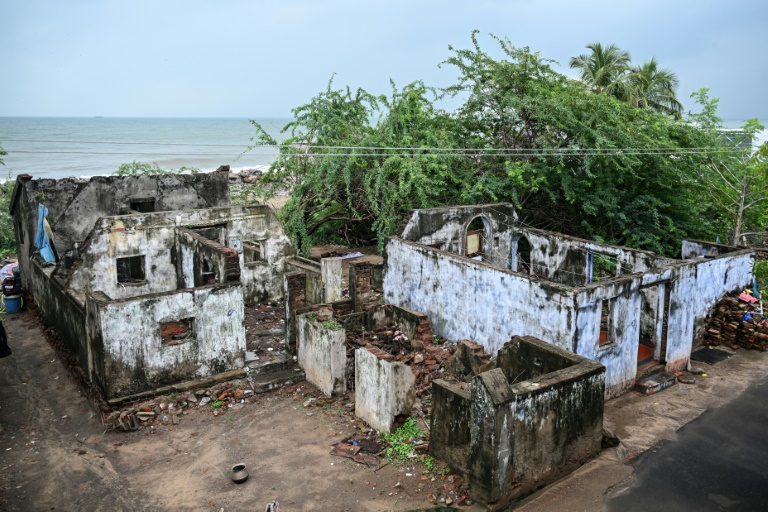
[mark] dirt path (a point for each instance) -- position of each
(55, 454)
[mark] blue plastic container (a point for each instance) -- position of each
(12, 304)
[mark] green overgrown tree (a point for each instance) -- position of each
(737, 177)
(7, 234)
(570, 160)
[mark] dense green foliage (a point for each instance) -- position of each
(572, 161)
(7, 236)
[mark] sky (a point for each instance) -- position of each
(238, 58)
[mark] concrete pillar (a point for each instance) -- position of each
(330, 270)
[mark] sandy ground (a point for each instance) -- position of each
(56, 455)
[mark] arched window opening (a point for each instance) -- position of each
(476, 240)
(521, 255)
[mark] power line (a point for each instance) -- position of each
(422, 150)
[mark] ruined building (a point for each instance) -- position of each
(478, 274)
(145, 277)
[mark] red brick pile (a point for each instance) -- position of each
(728, 326)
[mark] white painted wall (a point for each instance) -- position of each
(383, 390)
(322, 354)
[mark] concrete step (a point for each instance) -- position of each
(267, 382)
(277, 364)
(655, 383)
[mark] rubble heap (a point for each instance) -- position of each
(733, 324)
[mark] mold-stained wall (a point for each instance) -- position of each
(522, 434)
(464, 298)
(446, 229)
(384, 388)
(136, 360)
(662, 300)
(322, 353)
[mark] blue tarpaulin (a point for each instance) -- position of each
(41, 239)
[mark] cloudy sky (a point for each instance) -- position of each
(238, 58)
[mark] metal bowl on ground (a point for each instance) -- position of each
(239, 473)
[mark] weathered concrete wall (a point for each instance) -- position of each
(564, 259)
(330, 270)
(322, 354)
(700, 285)
(135, 359)
(413, 324)
(383, 388)
(451, 419)
(446, 229)
(223, 261)
(60, 310)
(315, 289)
(76, 204)
(468, 299)
(699, 249)
(528, 434)
(154, 237)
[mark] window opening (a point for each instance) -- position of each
(131, 269)
(216, 233)
(209, 272)
(177, 332)
(143, 204)
(253, 251)
(605, 322)
(476, 239)
(603, 267)
(522, 248)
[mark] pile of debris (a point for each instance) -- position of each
(391, 344)
(734, 323)
(167, 410)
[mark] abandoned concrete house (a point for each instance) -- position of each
(607, 316)
(144, 278)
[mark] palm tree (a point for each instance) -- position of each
(655, 88)
(605, 70)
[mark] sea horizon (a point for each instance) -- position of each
(83, 146)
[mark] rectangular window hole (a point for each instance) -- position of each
(253, 251)
(143, 204)
(606, 322)
(131, 269)
(177, 332)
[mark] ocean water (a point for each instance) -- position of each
(55, 147)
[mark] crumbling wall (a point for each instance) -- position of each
(413, 324)
(464, 298)
(198, 254)
(322, 352)
(565, 259)
(692, 249)
(75, 204)
(521, 435)
(446, 228)
(384, 388)
(60, 310)
(137, 358)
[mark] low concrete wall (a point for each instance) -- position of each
(322, 354)
(61, 311)
(136, 360)
(522, 435)
(413, 324)
(384, 388)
